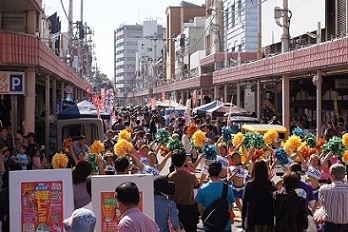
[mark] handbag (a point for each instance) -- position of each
(169, 221)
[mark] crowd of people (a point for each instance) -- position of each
(301, 191)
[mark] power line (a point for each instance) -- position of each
(66, 15)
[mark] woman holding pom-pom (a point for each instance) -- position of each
(236, 175)
(152, 167)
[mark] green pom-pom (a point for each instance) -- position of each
(210, 152)
(162, 136)
(92, 159)
(310, 139)
(259, 142)
(335, 145)
(175, 144)
(248, 140)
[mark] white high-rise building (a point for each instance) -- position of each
(126, 39)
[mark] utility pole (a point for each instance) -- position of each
(259, 37)
(71, 26)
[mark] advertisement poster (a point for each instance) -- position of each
(110, 213)
(42, 206)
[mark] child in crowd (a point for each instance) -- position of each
(22, 157)
(36, 161)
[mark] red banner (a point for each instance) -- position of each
(42, 206)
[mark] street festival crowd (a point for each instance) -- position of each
(238, 171)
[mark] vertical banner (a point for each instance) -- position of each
(41, 206)
(104, 203)
(194, 97)
(102, 99)
(40, 199)
(153, 103)
(163, 97)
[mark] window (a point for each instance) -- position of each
(233, 16)
(239, 5)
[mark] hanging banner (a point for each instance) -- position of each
(163, 97)
(153, 103)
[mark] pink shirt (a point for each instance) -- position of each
(133, 220)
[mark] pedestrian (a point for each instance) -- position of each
(290, 209)
(79, 175)
(166, 214)
(257, 211)
(185, 183)
(81, 220)
(132, 219)
(212, 191)
(334, 199)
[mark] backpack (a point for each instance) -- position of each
(216, 215)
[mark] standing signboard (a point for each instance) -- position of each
(104, 203)
(40, 199)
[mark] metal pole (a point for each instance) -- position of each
(71, 26)
(259, 37)
(319, 80)
(286, 78)
(47, 113)
(225, 47)
(81, 11)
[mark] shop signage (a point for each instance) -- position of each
(12, 83)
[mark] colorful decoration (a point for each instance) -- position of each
(270, 136)
(259, 142)
(175, 144)
(67, 144)
(96, 147)
(298, 132)
(162, 136)
(210, 152)
(292, 144)
(237, 139)
(257, 154)
(335, 145)
(248, 140)
(59, 160)
(320, 142)
(226, 134)
(163, 150)
(345, 139)
(281, 156)
(310, 139)
(92, 159)
(306, 152)
(191, 129)
(124, 134)
(345, 157)
(198, 139)
(122, 147)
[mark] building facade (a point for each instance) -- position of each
(126, 39)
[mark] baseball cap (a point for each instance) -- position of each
(337, 170)
(81, 220)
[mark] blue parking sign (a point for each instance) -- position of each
(16, 83)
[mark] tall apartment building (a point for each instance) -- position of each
(242, 22)
(126, 39)
(176, 16)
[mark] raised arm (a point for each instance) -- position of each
(136, 160)
(164, 161)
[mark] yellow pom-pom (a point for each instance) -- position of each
(124, 134)
(345, 157)
(198, 138)
(292, 144)
(59, 160)
(270, 136)
(237, 139)
(122, 147)
(345, 139)
(96, 147)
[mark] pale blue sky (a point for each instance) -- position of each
(106, 15)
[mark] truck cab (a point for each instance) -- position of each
(92, 128)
